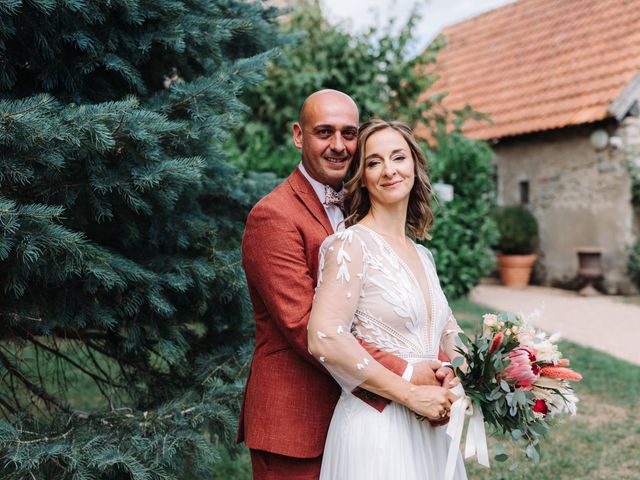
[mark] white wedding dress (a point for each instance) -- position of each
(366, 290)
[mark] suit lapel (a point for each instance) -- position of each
(307, 195)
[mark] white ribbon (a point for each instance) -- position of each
(476, 441)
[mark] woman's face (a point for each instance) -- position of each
(389, 171)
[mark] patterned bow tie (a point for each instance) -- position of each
(331, 197)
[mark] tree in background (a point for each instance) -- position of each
(464, 231)
(120, 222)
(372, 68)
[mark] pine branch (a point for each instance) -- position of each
(16, 317)
(58, 353)
(42, 439)
(82, 335)
(200, 92)
(106, 353)
(9, 407)
(73, 334)
(120, 124)
(22, 214)
(14, 394)
(97, 364)
(39, 391)
(42, 103)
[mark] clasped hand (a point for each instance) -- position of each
(431, 396)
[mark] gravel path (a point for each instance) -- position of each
(605, 322)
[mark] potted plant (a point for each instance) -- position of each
(518, 241)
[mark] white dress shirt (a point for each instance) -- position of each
(336, 217)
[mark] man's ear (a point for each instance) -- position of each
(297, 135)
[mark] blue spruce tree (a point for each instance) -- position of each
(122, 305)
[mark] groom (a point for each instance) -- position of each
(290, 397)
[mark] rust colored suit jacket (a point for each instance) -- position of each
(289, 397)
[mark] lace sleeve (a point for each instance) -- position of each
(342, 273)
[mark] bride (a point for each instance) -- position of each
(376, 284)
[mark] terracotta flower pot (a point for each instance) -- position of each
(515, 270)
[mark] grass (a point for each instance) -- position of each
(632, 299)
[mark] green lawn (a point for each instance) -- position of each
(632, 299)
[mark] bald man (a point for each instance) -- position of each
(290, 397)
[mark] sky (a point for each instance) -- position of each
(358, 15)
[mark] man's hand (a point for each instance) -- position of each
(446, 376)
(424, 373)
(439, 423)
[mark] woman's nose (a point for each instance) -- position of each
(389, 169)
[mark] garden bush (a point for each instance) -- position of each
(518, 230)
(463, 231)
(633, 263)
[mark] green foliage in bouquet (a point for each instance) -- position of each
(120, 225)
(505, 407)
(518, 230)
(463, 231)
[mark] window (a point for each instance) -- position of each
(524, 192)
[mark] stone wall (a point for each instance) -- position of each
(581, 196)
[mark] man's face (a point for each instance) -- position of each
(327, 136)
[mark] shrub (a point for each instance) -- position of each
(518, 230)
(464, 230)
(633, 263)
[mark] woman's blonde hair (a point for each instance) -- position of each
(419, 214)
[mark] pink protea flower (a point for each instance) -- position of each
(563, 362)
(521, 368)
(495, 343)
(561, 373)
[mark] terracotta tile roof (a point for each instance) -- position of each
(542, 64)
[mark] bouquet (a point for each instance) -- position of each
(518, 377)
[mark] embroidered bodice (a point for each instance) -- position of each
(366, 290)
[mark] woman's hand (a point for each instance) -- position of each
(446, 375)
(431, 402)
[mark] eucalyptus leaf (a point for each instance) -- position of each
(532, 452)
(509, 398)
(520, 398)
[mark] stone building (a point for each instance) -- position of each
(560, 81)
